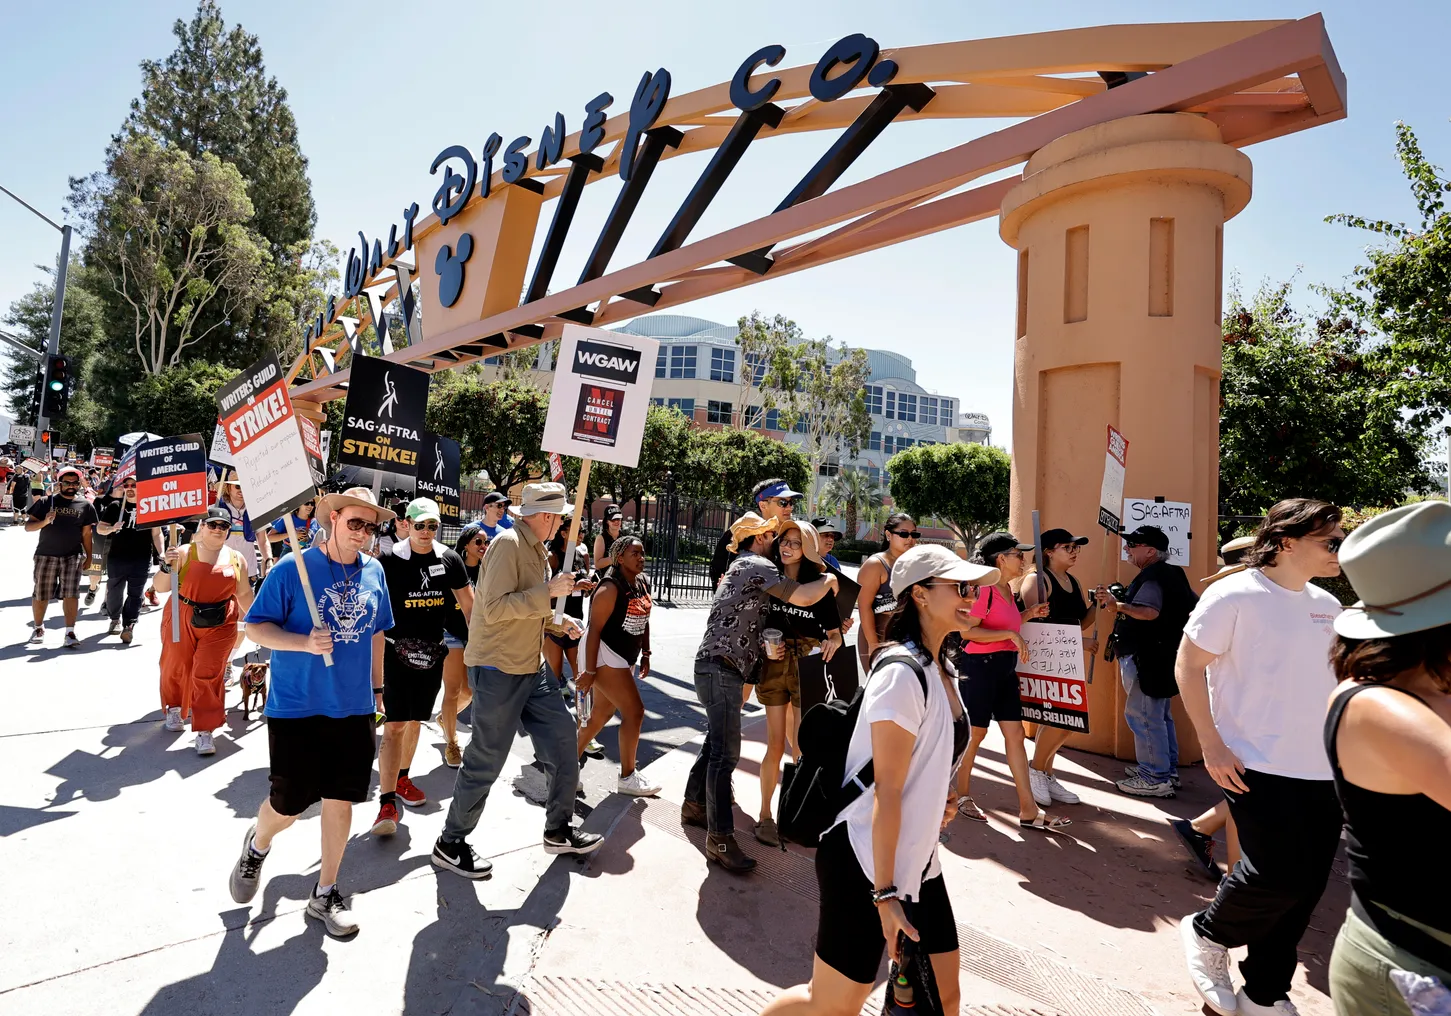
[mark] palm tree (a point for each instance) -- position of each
(853, 494)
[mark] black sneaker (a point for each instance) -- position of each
(90, 597)
(570, 840)
(458, 857)
(248, 871)
(1201, 846)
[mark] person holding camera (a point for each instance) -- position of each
(215, 589)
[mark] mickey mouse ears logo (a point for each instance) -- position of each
(450, 268)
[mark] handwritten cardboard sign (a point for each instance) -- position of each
(266, 442)
(1052, 684)
(1173, 517)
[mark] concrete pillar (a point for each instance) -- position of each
(1119, 230)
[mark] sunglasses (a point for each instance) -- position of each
(1332, 543)
(906, 534)
(783, 502)
(426, 527)
(480, 541)
(216, 524)
(362, 526)
(964, 589)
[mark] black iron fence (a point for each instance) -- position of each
(681, 534)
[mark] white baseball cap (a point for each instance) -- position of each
(933, 561)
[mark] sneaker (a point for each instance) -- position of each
(594, 750)
(37, 636)
(1038, 784)
(230, 680)
(90, 597)
(1058, 791)
(248, 870)
(1284, 1007)
(127, 634)
(1201, 846)
(1209, 968)
(1132, 771)
(332, 910)
(1142, 786)
(453, 756)
(570, 840)
(204, 743)
(71, 642)
(115, 628)
(636, 785)
(173, 720)
(386, 824)
(151, 599)
(458, 857)
(409, 794)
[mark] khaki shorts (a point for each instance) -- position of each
(781, 679)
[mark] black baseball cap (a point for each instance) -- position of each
(1060, 537)
(1147, 536)
(216, 511)
(612, 512)
(496, 497)
(993, 544)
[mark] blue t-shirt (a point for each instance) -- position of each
(492, 531)
(307, 530)
(831, 560)
(354, 604)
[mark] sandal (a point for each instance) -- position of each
(967, 808)
(1043, 823)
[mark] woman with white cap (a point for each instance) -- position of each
(876, 866)
(1388, 737)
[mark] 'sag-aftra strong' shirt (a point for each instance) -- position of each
(420, 588)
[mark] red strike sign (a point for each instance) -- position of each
(254, 419)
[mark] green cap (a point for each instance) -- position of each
(420, 509)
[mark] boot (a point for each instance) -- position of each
(724, 852)
(692, 814)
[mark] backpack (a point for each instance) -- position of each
(816, 789)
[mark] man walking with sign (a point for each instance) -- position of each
(320, 717)
(513, 687)
(129, 563)
(65, 521)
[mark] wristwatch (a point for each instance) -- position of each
(165, 567)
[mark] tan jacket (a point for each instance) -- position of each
(511, 604)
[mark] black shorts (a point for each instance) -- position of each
(317, 757)
(848, 930)
(409, 694)
(562, 641)
(990, 687)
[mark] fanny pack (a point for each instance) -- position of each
(207, 615)
(418, 654)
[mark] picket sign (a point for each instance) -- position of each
(175, 586)
(1110, 517)
(569, 544)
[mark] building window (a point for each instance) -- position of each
(657, 402)
(718, 412)
(802, 422)
(686, 406)
(756, 364)
(907, 407)
(829, 467)
(889, 445)
(904, 442)
(682, 361)
(874, 474)
(660, 361)
(723, 365)
(891, 413)
(773, 419)
(875, 442)
(874, 399)
(928, 407)
(751, 416)
(947, 415)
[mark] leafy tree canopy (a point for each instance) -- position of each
(725, 464)
(497, 424)
(965, 486)
(182, 400)
(82, 335)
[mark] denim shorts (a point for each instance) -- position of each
(451, 642)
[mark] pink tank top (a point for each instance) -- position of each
(998, 613)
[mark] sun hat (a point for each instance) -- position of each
(749, 524)
(1400, 566)
(1230, 554)
(542, 498)
(360, 497)
(933, 561)
(1148, 536)
(993, 544)
(810, 541)
(1060, 538)
(421, 509)
(826, 527)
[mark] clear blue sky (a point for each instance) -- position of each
(379, 88)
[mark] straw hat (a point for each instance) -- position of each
(810, 539)
(749, 524)
(1230, 554)
(1400, 566)
(360, 497)
(542, 498)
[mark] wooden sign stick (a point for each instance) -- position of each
(573, 538)
(1103, 571)
(327, 658)
(176, 587)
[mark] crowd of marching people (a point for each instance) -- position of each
(1312, 718)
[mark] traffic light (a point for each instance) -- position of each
(57, 392)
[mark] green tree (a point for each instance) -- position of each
(168, 231)
(964, 486)
(498, 424)
(1311, 409)
(853, 495)
(181, 400)
(724, 465)
(82, 335)
(824, 398)
(666, 444)
(766, 346)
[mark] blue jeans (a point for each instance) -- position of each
(719, 689)
(1152, 721)
(502, 704)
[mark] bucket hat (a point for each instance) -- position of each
(1400, 566)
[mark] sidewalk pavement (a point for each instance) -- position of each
(118, 839)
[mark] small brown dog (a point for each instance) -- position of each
(254, 685)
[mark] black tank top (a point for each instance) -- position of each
(624, 629)
(1065, 606)
(1396, 846)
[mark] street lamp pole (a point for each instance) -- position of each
(57, 305)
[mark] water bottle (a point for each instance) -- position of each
(903, 1000)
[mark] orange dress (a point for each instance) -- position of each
(194, 669)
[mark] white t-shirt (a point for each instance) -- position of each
(894, 693)
(1270, 683)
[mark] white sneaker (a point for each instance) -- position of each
(173, 719)
(204, 745)
(636, 785)
(1284, 1007)
(1058, 791)
(1209, 969)
(1142, 786)
(1038, 784)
